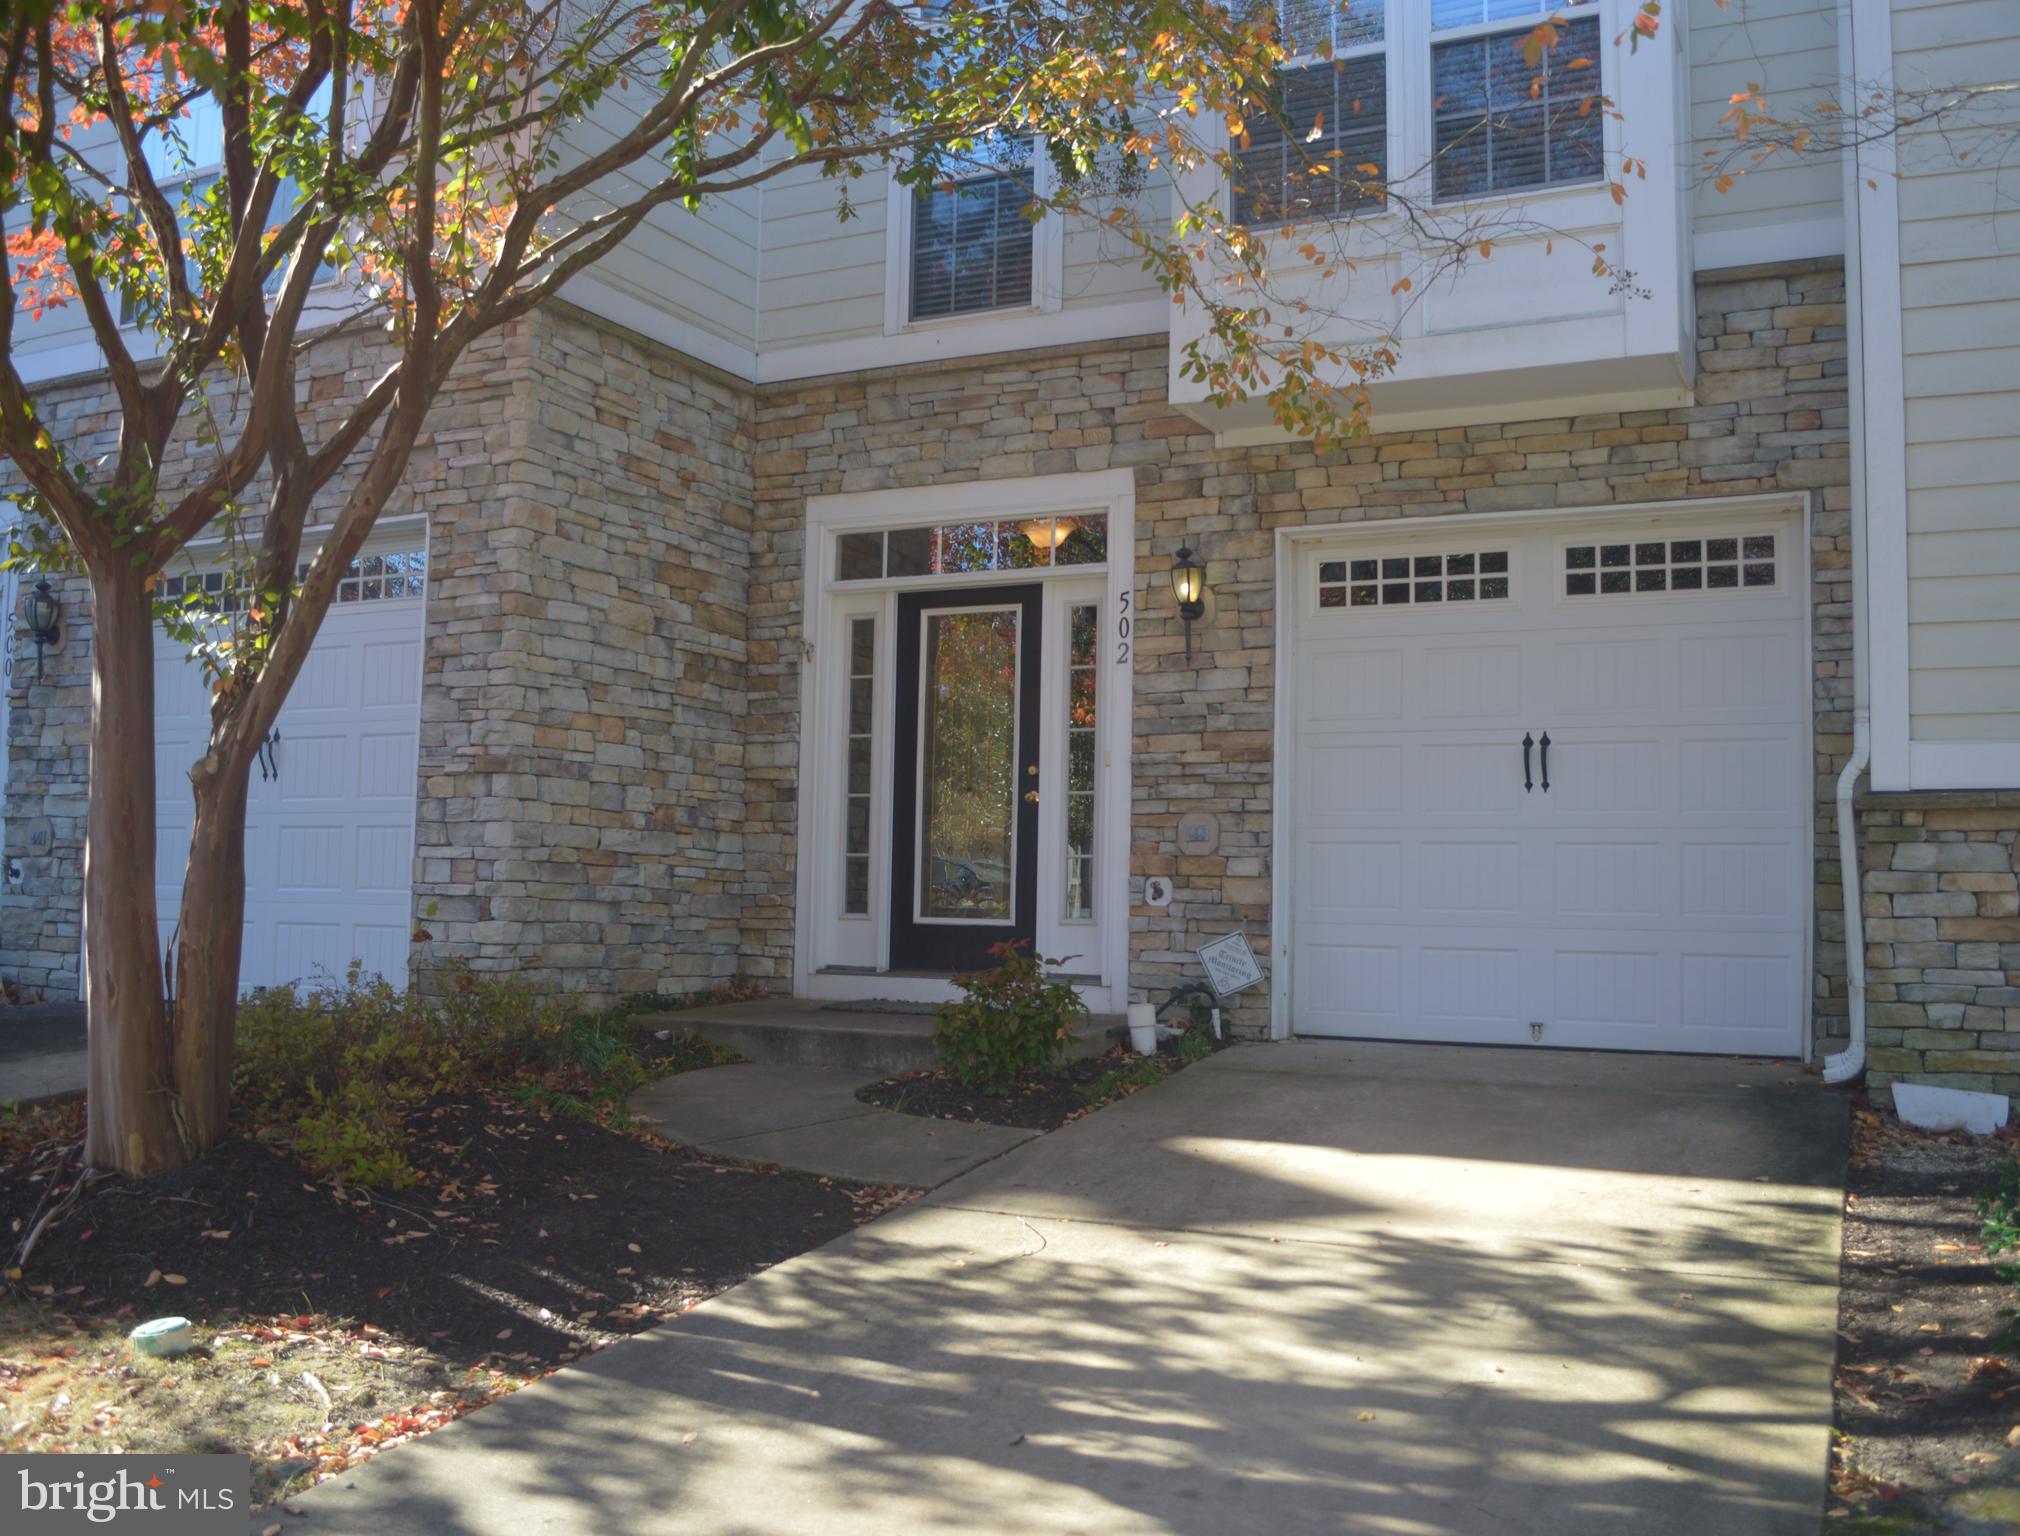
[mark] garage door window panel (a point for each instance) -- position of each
(1639, 567)
(1401, 581)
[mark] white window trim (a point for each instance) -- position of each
(1048, 259)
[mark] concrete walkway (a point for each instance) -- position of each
(1297, 1288)
(41, 1051)
(809, 1118)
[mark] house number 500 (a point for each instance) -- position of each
(1122, 627)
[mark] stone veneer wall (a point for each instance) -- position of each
(1942, 909)
(580, 810)
(1770, 415)
(583, 708)
(454, 465)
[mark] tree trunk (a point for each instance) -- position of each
(207, 953)
(131, 1102)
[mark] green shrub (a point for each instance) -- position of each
(339, 1064)
(1010, 1022)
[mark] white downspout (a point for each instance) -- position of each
(1851, 1061)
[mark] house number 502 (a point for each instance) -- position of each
(1122, 628)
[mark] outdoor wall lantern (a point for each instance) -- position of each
(1188, 585)
(45, 616)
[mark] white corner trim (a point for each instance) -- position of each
(1878, 399)
(1787, 240)
(969, 336)
(1985, 765)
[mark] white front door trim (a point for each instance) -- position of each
(817, 871)
(1290, 543)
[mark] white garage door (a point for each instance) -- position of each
(1654, 896)
(330, 821)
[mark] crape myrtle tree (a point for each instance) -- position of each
(434, 154)
(454, 163)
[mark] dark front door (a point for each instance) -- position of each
(964, 843)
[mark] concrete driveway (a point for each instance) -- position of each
(1299, 1288)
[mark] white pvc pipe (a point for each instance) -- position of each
(1851, 1061)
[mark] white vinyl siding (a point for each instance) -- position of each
(1789, 48)
(701, 267)
(823, 276)
(1960, 327)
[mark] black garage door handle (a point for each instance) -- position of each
(1528, 742)
(1545, 744)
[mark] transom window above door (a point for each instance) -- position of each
(1503, 113)
(959, 549)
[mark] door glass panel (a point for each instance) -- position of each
(968, 789)
(856, 844)
(1084, 628)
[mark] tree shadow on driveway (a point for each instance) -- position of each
(1202, 1314)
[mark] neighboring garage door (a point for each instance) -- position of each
(330, 821)
(1655, 896)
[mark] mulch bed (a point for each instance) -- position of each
(1928, 1374)
(1043, 1104)
(531, 1240)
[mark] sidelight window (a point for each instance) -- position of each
(1083, 633)
(861, 748)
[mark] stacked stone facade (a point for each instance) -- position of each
(608, 797)
(1942, 920)
(581, 818)
(580, 800)
(49, 717)
(1771, 415)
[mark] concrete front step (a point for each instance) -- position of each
(800, 1032)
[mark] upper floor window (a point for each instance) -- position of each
(186, 159)
(1323, 149)
(972, 234)
(1503, 121)
(1497, 120)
